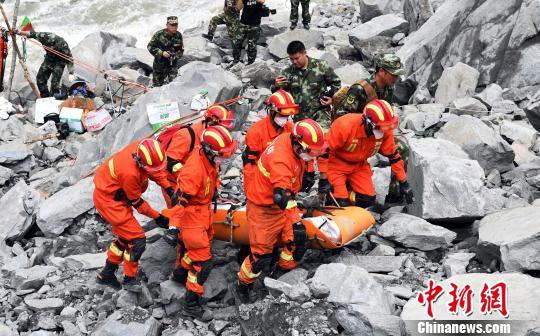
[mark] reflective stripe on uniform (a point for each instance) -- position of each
(291, 204)
(186, 259)
(248, 273)
(353, 145)
(114, 249)
(352, 197)
(127, 256)
(177, 167)
(111, 169)
(285, 256)
(262, 169)
(192, 277)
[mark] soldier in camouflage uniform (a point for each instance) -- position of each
(229, 17)
(311, 82)
(249, 29)
(53, 65)
(306, 17)
(167, 47)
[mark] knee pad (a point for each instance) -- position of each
(204, 273)
(300, 241)
(362, 200)
(263, 263)
(138, 245)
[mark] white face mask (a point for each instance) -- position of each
(280, 120)
(378, 134)
(306, 157)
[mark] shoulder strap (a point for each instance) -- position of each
(370, 91)
(192, 135)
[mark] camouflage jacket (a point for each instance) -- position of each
(163, 41)
(230, 9)
(356, 98)
(307, 85)
(55, 42)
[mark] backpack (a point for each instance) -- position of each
(165, 137)
(339, 96)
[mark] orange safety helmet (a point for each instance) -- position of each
(219, 141)
(150, 156)
(309, 134)
(380, 114)
(283, 103)
(221, 115)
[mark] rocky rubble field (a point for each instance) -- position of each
(468, 108)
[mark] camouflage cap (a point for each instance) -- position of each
(392, 64)
(173, 20)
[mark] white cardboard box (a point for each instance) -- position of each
(45, 106)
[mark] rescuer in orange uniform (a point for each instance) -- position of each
(280, 107)
(119, 184)
(180, 145)
(191, 219)
(272, 212)
(352, 139)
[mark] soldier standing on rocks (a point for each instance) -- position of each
(53, 65)
(167, 47)
(229, 17)
(249, 29)
(306, 17)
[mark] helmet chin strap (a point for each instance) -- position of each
(369, 126)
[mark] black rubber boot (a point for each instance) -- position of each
(306, 26)
(107, 277)
(193, 308)
(179, 275)
(132, 284)
(293, 26)
(278, 272)
(242, 292)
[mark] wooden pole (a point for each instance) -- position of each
(13, 55)
(16, 47)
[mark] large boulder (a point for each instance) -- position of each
(446, 183)
(13, 152)
(480, 141)
(457, 81)
(19, 204)
(370, 9)
(512, 237)
(522, 303)
(132, 125)
(519, 133)
(136, 323)
(60, 210)
(158, 260)
(417, 12)
(351, 73)
(311, 39)
(355, 286)
(532, 110)
(386, 25)
(414, 232)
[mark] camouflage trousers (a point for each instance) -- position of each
(251, 34)
(231, 20)
(54, 70)
(306, 18)
(403, 149)
(164, 74)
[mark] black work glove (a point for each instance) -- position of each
(325, 187)
(171, 237)
(172, 195)
(406, 191)
(162, 221)
(307, 182)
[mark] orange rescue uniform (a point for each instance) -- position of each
(258, 137)
(350, 147)
(278, 167)
(119, 183)
(197, 182)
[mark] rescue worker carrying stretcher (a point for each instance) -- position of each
(352, 139)
(184, 139)
(191, 219)
(272, 211)
(119, 184)
(280, 108)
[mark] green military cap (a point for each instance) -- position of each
(392, 64)
(173, 20)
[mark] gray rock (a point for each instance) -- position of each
(492, 94)
(456, 263)
(381, 181)
(260, 74)
(353, 322)
(55, 214)
(397, 38)
(22, 201)
(276, 287)
(373, 264)
(370, 9)
(127, 299)
(294, 277)
(158, 261)
(518, 132)
(523, 303)
(5, 175)
(350, 73)
(41, 305)
(87, 261)
(416, 232)
(52, 154)
(383, 251)
(353, 285)
(400, 291)
(115, 325)
(512, 237)
(31, 278)
(278, 44)
(457, 81)
(523, 155)
(319, 289)
(300, 292)
(440, 174)
(383, 26)
(171, 291)
(69, 312)
(532, 109)
(481, 142)
(469, 106)
(13, 152)
(417, 12)
(216, 284)
(384, 324)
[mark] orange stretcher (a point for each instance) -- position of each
(325, 231)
